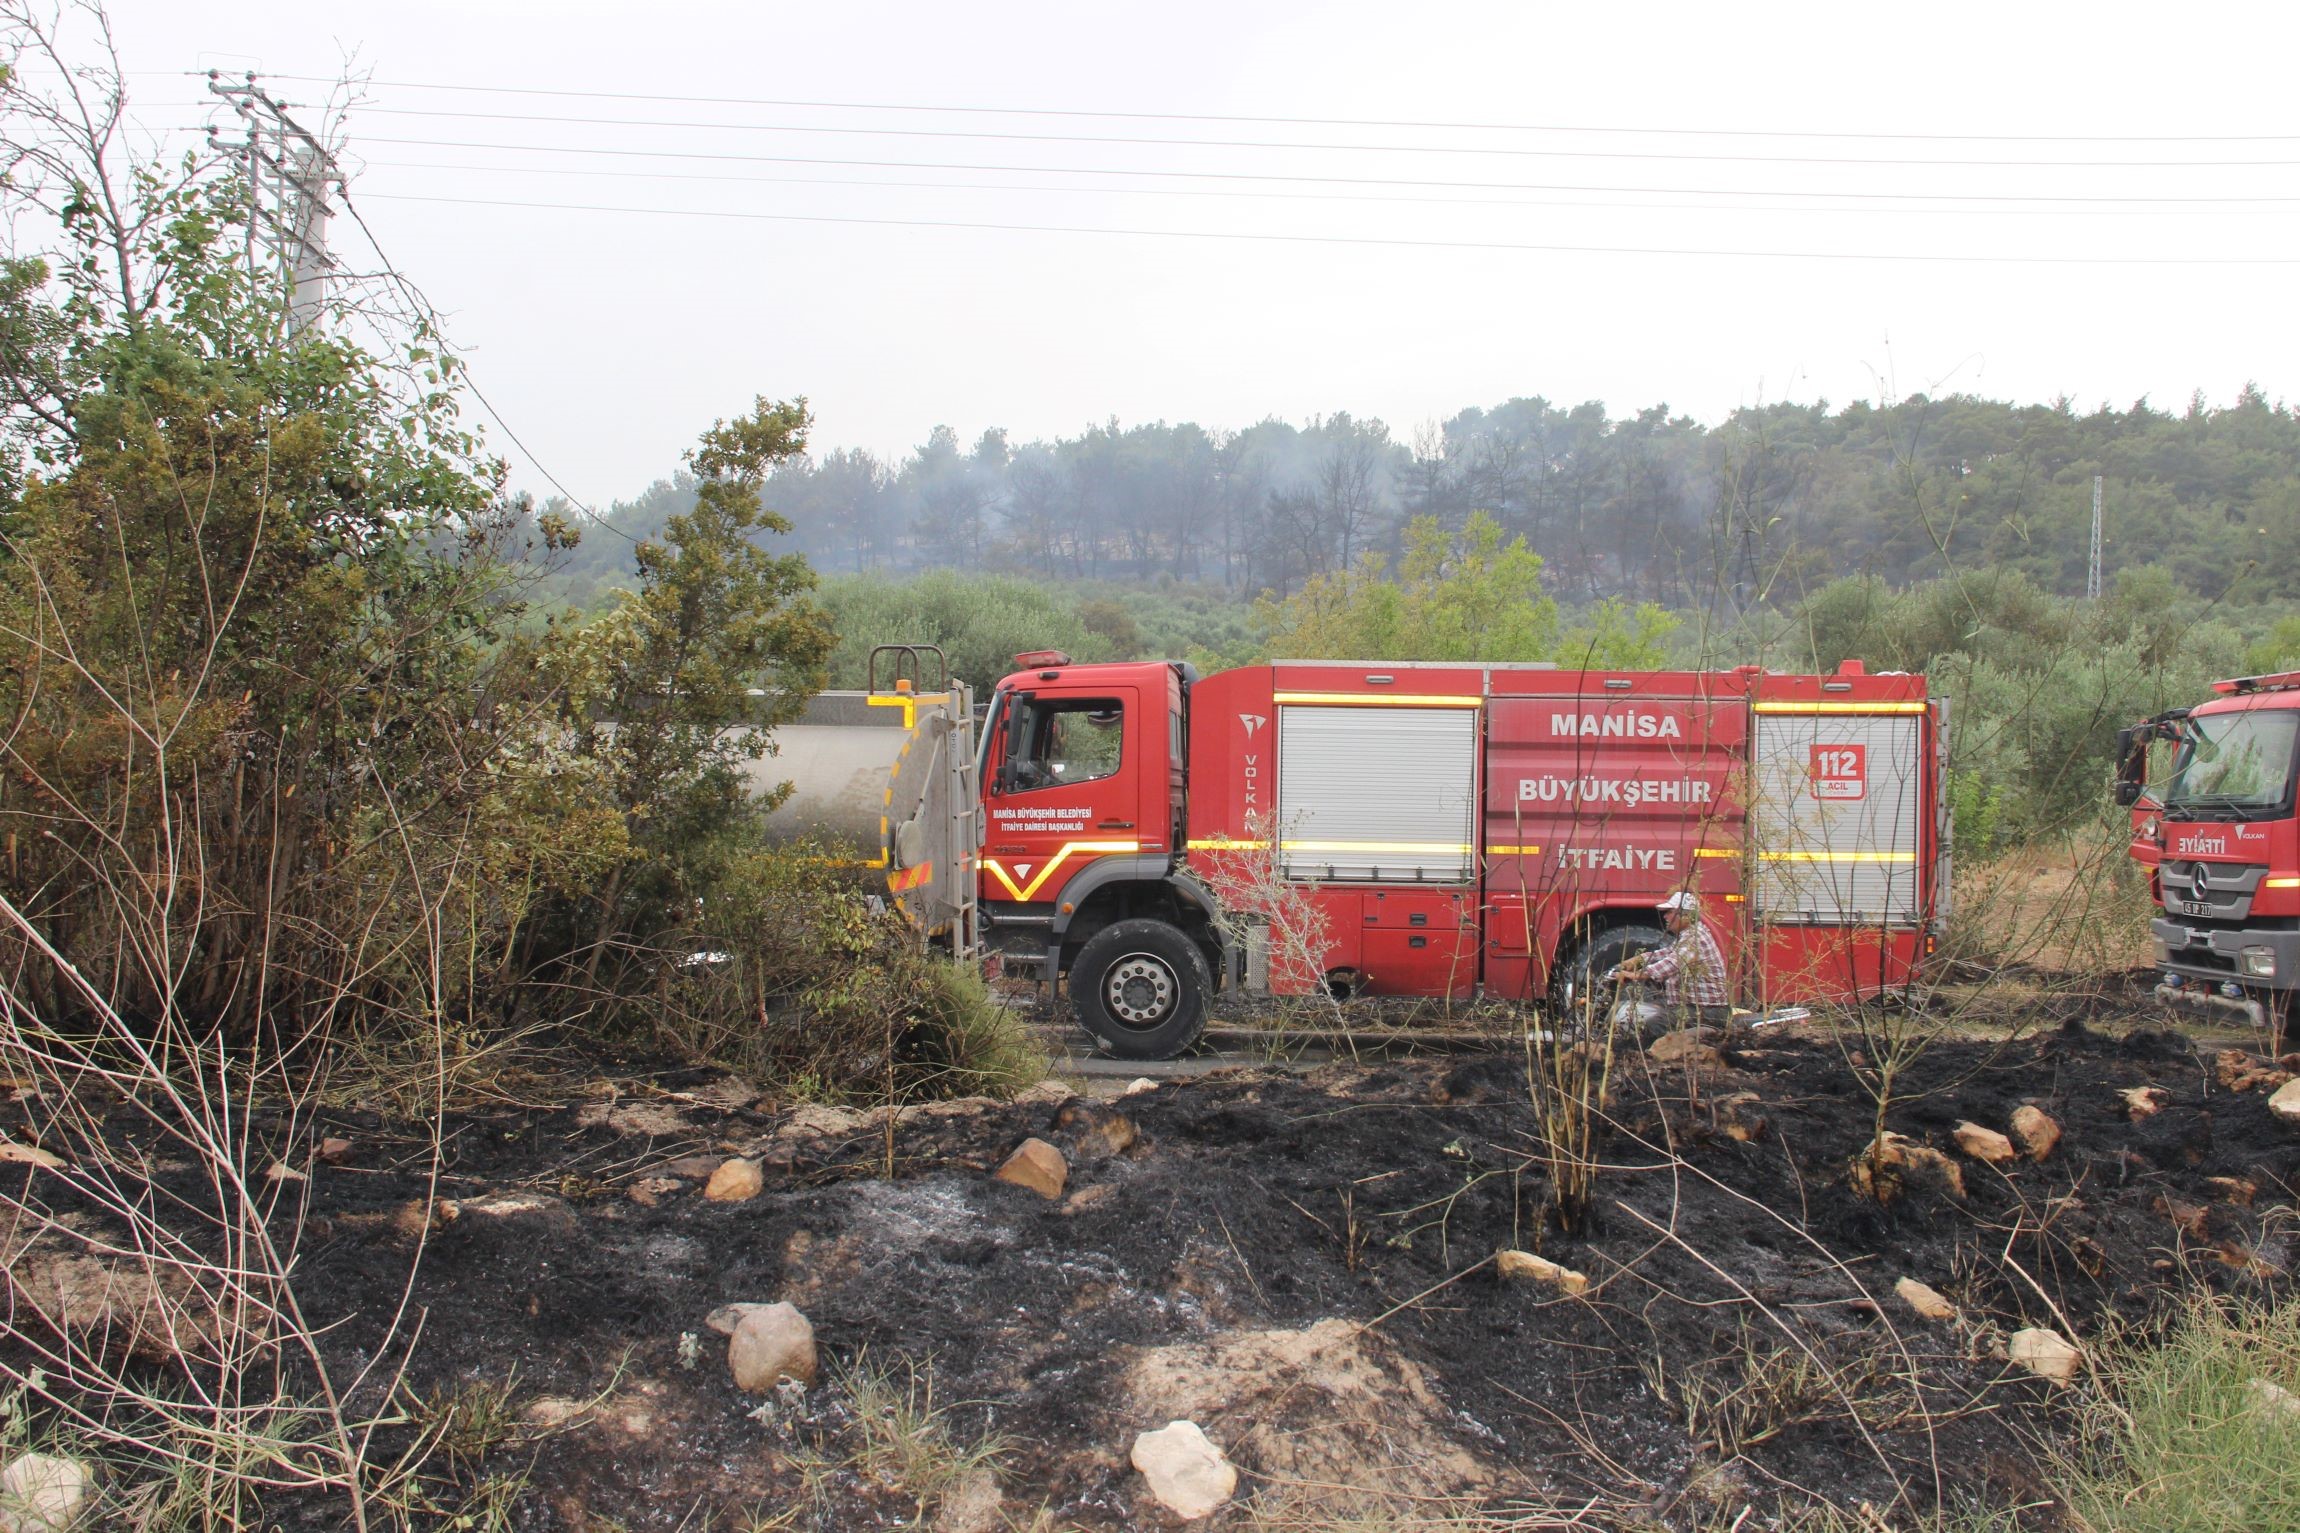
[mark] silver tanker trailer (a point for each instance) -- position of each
(884, 781)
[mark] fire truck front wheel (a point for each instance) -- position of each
(1140, 988)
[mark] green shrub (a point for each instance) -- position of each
(794, 975)
(2037, 685)
(981, 621)
(1469, 595)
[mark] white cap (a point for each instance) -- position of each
(1681, 901)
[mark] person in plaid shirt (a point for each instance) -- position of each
(1691, 969)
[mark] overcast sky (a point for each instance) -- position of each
(1491, 208)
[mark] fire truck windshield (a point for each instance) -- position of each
(2233, 766)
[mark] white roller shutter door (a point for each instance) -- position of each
(1834, 818)
(1378, 794)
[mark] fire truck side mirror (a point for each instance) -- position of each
(2132, 762)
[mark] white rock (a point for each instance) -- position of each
(813, 1120)
(1685, 1047)
(1984, 1144)
(736, 1181)
(2272, 1403)
(2035, 1131)
(551, 1412)
(1539, 1269)
(2144, 1101)
(2047, 1354)
(1138, 1085)
(726, 1317)
(505, 1204)
(771, 1342)
(1925, 1299)
(1038, 1166)
(40, 1493)
(1186, 1472)
(29, 1155)
(2285, 1104)
(974, 1505)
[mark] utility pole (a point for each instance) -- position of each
(2092, 575)
(290, 173)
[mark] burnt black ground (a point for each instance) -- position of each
(1724, 1272)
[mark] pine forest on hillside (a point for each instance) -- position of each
(1762, 507)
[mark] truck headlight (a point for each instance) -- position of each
(2260, 962)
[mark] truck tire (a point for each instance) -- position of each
(1140, 988)
(1577, 978)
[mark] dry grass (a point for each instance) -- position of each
(2076, 904)
(2184, 1441)
(902, 1439)
(1293, 1509)
(1569, 1083)
(468, 1421)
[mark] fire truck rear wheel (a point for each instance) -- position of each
(1140, 988)
(1579, 977)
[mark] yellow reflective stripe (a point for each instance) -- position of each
(2280, 883)
(1376, 700)
(906, 879)
(1837, 856)
(1225, 844)
(1457, 847)
(1025, 891)
(1715, 851)
(907, 702)
(1844, 708)
(1513, 851)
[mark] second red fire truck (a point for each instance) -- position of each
(2215, 827)
(1460, 830)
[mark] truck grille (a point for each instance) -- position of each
(2224, 894)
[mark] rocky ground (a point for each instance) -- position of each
(1304, 1268)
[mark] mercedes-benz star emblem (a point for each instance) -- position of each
(2201, 883)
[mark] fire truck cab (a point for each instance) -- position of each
(2214, 826)
(1462, 829)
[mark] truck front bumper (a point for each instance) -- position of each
(2224, 955)
(2215, 971)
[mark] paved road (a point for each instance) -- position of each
(1228, 1048)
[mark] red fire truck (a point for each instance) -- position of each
(1458, 830)
(2217, 833)
(1465, 830)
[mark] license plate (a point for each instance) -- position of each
(2192, 907)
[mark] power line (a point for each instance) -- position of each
(313, 170)
(1312, 179)
(1509, 151)
(1165, 191)
(423, 305)
(1346, 239)
(1328, 122)
(1319, 180)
